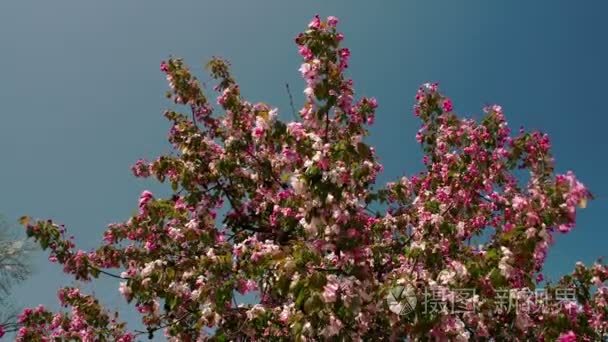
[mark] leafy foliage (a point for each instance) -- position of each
(300, 233)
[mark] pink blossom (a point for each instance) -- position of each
(539, 278)
(141, 168)
(332, 21)
(344, 57)
(124, 290)
(305, 52)
(128, 337)
(330, 290)
(246, 286)
(164, 67)
(150, 245)
(305, 69)
(569, 336)
(315, 23)
(309, 91)
(145, 197)
(323, 163)
(23, 317)
(334, 327)
(296, 129)
(447, 105)
(285, 314)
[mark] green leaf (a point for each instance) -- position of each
(171, 302)
(317, 280)
(302, 295)
(296, 329)
(170, 273)
(363, 150)
(313, 303)
(44, 243)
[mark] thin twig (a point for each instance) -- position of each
(194, 117)
(151, 331)
(293, 108)
(108, 273)
(326, 125)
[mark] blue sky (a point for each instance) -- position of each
(81, 94)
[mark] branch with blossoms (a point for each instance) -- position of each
(282, 210)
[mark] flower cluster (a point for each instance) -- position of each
(86, 322)
(288, 211)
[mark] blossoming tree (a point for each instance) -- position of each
(283, 210)
(14, 268)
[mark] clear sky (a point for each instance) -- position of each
(81, 94)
